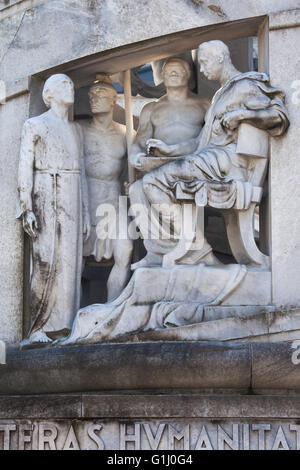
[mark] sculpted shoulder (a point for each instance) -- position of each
(251, 94)
(119, 129)
(36, 123)
(246, 86)
(149, 108)
(35, 127)
(192, 99)
(201, 103)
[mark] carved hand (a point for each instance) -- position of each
(30, 224)
(86, 227)
(136, 162)
(232, 119)
(163, 148)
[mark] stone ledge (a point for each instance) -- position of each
(151, 366)
(149, 406)
(17, 88)
(284, 19)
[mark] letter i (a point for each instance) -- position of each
(246, 437)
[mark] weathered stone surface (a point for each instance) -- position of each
(149, 405)
(191, 405)
(92, 26)
(43, 407)
(126, 367)
(260, 324)
(272, 365)
(143, 366)
(285, 168)
(12, 116)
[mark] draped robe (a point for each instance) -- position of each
(215, 175)
(52, 184)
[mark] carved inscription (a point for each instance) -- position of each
(154, 435)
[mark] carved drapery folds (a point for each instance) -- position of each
(185, 154)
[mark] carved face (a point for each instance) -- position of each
(64, 91)
(210, 65)
(175, 74)
(102, 99)
(59, 88)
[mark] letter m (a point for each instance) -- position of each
(178, 435)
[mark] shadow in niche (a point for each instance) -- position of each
(216, 235)
(95, 276)
(93, 283)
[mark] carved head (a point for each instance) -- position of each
(102, 95)
(212, 57)
(59, 88)
(176, 72)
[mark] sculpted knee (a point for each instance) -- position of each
(148, 179)
(148, 182)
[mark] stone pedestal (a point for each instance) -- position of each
(159, 396)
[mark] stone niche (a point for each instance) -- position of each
(230, 378)
(249, 309)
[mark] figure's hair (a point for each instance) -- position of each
(50, 85)
(217, 48)
(183, 62)
(103, 81)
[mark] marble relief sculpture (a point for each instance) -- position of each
(213, 172)
(105, 156)
(54, 209)
(221, 164)
(169, 128)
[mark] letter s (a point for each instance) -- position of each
(91, 433)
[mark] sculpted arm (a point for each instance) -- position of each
(25, 178)
(176, 150)
(261, 118)
(259, 110)
(144, 132)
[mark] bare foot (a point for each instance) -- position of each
(37, 337)
(150, 259)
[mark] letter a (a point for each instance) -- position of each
(71, 442)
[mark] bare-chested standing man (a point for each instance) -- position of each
(104, 153)
(168, 127)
